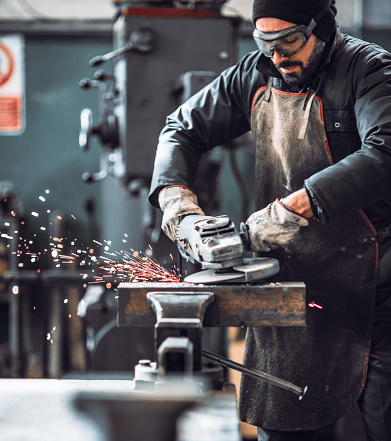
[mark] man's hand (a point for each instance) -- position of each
(274, 227)
(177, 202)
(299, 203)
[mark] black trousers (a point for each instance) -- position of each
(375, 401)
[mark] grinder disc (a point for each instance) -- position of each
(251, 270)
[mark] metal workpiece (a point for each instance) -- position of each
(268, 304)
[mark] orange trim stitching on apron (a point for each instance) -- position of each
(282, 92)
(331, 159)
(252, 104)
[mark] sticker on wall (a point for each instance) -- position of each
(12, 85)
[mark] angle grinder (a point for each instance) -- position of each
(215, 243)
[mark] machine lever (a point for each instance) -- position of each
(255, 374)
(100, 59)
(140, 40)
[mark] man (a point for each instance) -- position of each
(319, 107)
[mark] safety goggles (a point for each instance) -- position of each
(286, 42)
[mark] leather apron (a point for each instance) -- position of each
(329, 355)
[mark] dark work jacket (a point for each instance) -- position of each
(356, 96)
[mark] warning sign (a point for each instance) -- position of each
(12, 84)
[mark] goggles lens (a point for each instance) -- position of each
(287, 44)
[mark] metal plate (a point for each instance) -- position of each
(251, 270)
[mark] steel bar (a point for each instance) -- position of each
(282, 304)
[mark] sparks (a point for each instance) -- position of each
(314, 305)
(137, 268)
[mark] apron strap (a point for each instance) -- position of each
(307, 110)
(268, 91)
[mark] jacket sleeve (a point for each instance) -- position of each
(217, 114)
(362, 178)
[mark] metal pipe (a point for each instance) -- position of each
(255, 374)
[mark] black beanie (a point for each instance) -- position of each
(298, 12)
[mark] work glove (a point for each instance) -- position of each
(273, 227)
(177, 202)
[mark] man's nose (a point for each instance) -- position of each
(277, 58)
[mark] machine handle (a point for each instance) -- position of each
(255, 374)
(86, 129)
(244, 235)
(141, 40)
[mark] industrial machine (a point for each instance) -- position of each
(163, 53)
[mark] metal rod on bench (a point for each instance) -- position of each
(255, 374)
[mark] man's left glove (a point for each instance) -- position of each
(177, 202)
(273, 227)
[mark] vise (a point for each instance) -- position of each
(179, 311)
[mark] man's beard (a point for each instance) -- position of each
(294, 79)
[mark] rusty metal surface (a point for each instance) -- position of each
(281, 304)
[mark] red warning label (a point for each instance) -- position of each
(11, 84)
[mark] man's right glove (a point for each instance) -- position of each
(273, 227)
(177, 202)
